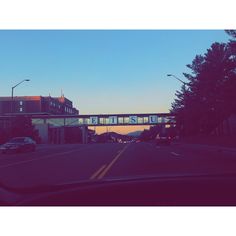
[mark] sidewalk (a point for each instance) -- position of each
(219, 144)
(218, 148)
(227, 142)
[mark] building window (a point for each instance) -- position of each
(21, 109)
(21, 103)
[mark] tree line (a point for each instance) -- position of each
(209, 96)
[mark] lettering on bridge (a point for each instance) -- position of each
(106, 119)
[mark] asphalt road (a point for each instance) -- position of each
(59, 164)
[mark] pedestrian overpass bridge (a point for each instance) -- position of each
(105, 119)
(56, 124)
(52, 127)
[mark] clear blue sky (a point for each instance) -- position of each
(102, 71)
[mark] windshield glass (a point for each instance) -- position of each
(142, 113)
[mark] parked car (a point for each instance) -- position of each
(18, 144)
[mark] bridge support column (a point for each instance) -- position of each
(62, 135)
(84, 134)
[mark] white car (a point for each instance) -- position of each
(18, 144)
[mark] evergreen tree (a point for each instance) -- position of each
(210, 97)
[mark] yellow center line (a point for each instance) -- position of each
(112, 163)
(97, 172)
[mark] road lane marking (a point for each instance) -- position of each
(112, 163)
(97, 172)
(175, 154)
(119, 151)
(38, 159)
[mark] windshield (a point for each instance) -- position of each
(142, 113)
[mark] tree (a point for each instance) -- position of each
(151, 133)
(4, 135)
(231, 33)
(22, 126)
(210, 97)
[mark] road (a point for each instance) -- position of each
(59, 164)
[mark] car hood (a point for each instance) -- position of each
(203, 190)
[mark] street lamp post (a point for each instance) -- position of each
(12, 92)
(184, 83)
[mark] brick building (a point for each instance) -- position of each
(25, 105)
(37, 105)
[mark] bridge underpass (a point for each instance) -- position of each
(56, 124)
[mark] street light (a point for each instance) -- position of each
(184, 83)
(12, 92)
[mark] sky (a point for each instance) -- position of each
(102, 71)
